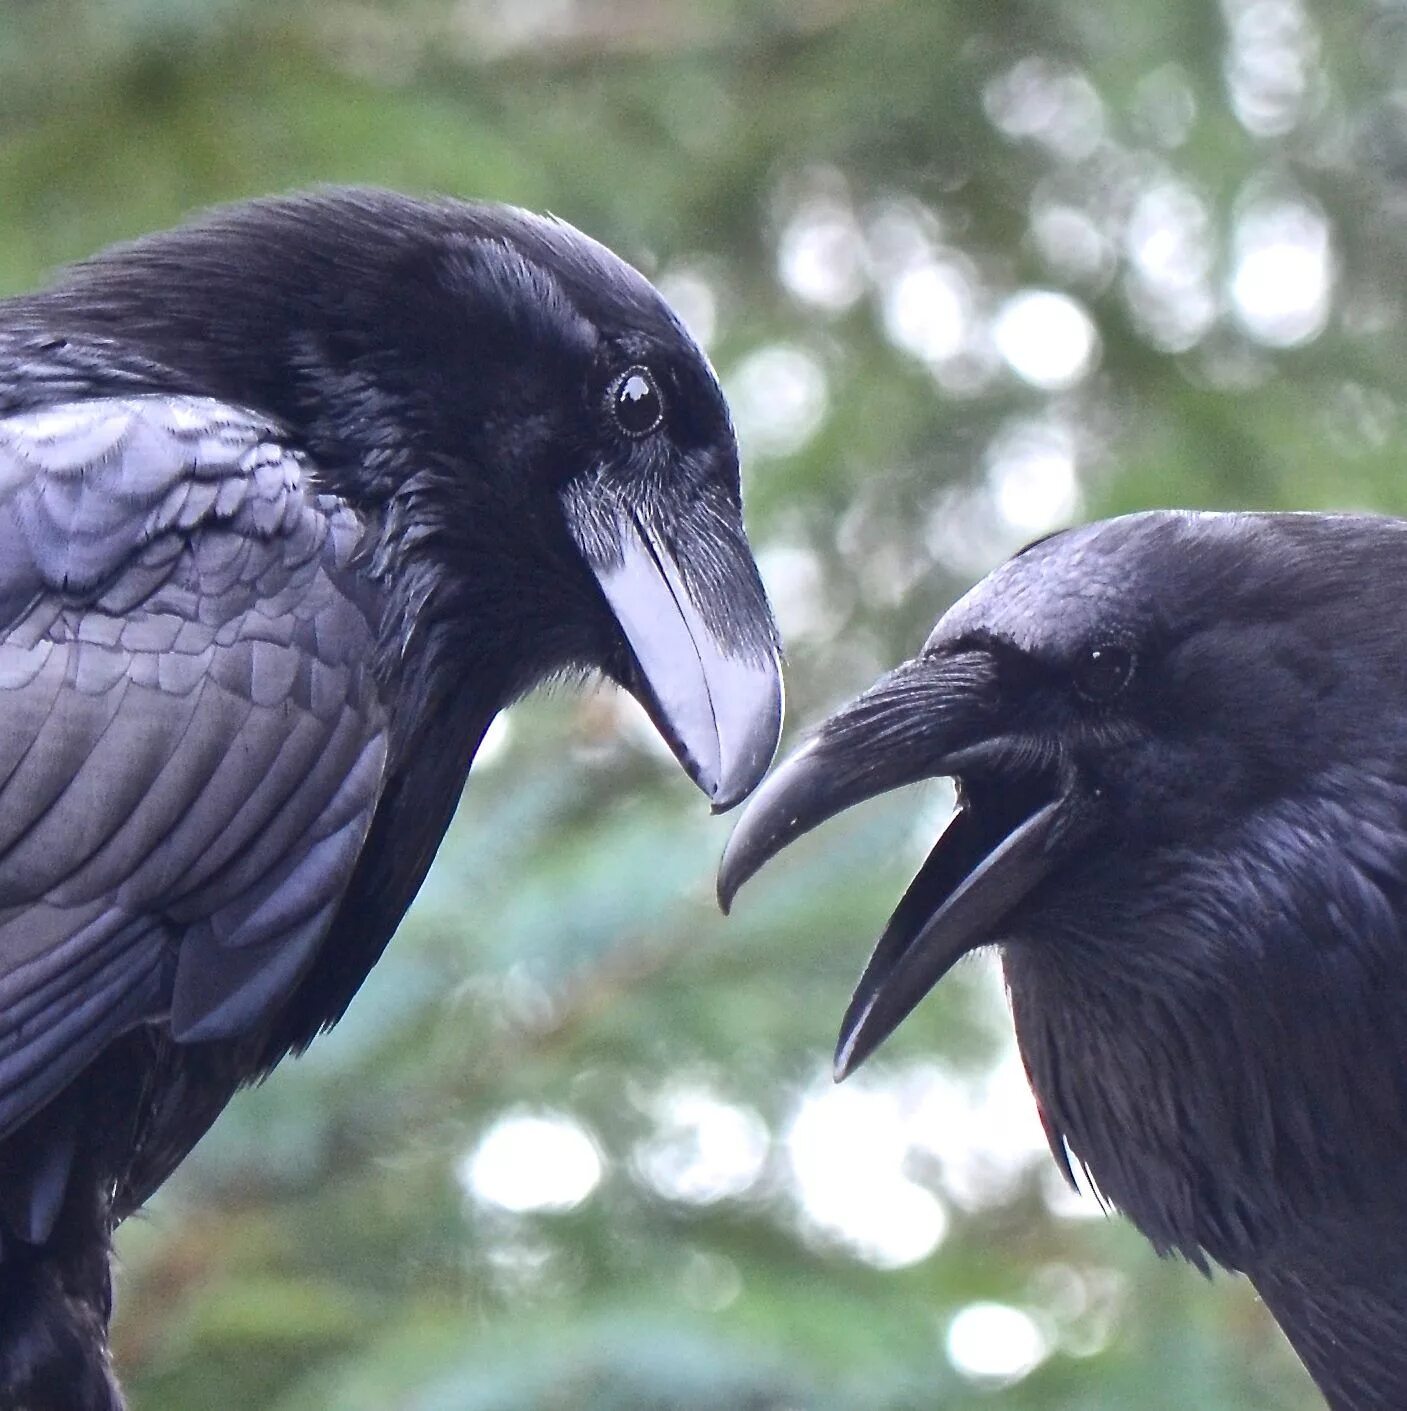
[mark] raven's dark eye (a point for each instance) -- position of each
(636, 402)
(1103, 671)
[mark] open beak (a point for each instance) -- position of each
(930, 717)
(705, 659)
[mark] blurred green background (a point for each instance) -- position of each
(968, 272)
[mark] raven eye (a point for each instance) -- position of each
(636, 402)
(1103, 671)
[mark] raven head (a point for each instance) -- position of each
(547, 448)
(1182, 786)
(599, 425)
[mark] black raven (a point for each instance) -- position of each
(1180, 742)
(293, 501)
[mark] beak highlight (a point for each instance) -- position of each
(713, 691)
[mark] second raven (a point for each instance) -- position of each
(1181, 747)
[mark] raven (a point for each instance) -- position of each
(1180, 743)
(293, 501)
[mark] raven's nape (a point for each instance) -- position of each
(708, 673)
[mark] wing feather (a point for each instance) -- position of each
(191, 742)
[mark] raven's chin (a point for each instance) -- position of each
(1006, 837)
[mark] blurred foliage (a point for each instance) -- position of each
(968, 271)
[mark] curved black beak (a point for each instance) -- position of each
(937, 923)
(690, 604)
(912, 724)
(932, 716)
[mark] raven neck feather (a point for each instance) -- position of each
(1340, 1295)
(1218, 1037)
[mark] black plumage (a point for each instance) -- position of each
(1181, 747)
(292, 502)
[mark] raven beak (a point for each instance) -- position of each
(930, 717)
(706, 665)
(936, 924)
